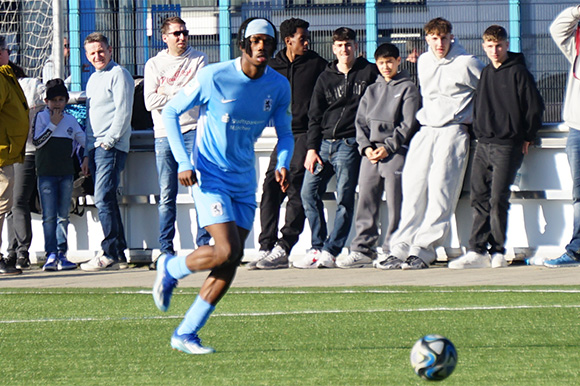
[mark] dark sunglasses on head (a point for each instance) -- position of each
(185, 33)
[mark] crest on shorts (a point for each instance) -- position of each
(216, 209)
(268, 104)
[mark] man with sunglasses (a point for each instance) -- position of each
(13, 134)
(566, 33)
(165, 75)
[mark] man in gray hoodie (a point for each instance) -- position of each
(565, 32)
(437, 157)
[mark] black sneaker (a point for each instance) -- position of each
(391, 262)
(23, 262)
(8, 269)
(414, 262)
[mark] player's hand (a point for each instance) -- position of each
(85, 167)
(187, 178)
(282, 179)
(526, 147)
(56, 116)
(312, 158)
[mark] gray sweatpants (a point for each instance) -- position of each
(373, 180)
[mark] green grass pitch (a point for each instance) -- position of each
(291, 336)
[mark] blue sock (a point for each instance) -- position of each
(177, 267)
(195, 317)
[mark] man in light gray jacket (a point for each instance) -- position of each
(437, 157)
(564, 31)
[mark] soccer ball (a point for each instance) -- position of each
(433, 357)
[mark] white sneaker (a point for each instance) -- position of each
(537, 260)
(262, 254)
(498, 260)
(327, 260)
(309, 261)
(99, 263)
(471, 260)
(354, 260)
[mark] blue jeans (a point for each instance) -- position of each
(55, 197)
(168, 187)
(573, 151)
(106, 167)
(340, 157)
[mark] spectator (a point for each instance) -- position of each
(332, 147)
(301, 66)
(19, 220)
(165, 74)
(110, 93)
(48, 71)
(505, 122)
(385, 123)
(564, 32)
(55, 134)
(437, 157)
(14, 126)
(238, 98)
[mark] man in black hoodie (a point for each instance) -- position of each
(302, 67)
(506, 116)
(332, 147)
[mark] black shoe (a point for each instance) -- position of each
(23, 262)
(8, 269)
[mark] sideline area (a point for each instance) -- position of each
(438, 276)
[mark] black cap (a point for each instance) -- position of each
(56, 87)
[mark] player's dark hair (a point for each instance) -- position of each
(343, 34)
(288, 27)
(387, 50)
(171, 20)
(495, 33)
(97, 37)
(438, 26)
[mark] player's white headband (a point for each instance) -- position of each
(259, 26)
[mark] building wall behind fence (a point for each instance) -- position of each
(132, 26)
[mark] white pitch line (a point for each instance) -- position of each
(304, 312)
(301, 292)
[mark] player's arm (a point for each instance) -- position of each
(316, 110)
(153, 95)
(563, 31)
(123, 91)
(285, 145)
(188, 97)
(408, 125)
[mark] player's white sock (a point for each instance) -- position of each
(177, 267)
(195, 317)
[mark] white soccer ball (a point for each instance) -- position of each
(433, 357)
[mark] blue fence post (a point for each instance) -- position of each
(74, 42)
(224, 30)
(371, 28)
(515, 26)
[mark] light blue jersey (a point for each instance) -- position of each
(234, 110)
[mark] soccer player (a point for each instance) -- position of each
(237, 99)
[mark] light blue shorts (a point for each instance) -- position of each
(215, 207)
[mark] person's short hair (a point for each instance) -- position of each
(243, 42)
(342, 34)
(171, 20)
(96, 37)
(288, 27)
(495, 33)
(387, 50)
(54, 88)
(438, 26)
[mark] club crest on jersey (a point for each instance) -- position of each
(226, 118)
(268, 104)
(216, 209)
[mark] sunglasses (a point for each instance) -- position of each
(184, 32)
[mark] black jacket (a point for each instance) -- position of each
(335, 100)
(508, 107)
(302, 74)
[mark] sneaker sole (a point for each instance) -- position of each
(571, 265)
(361, 265)
(112, 267)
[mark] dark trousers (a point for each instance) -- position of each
(272, 198)
(493, 170)
(19, 220)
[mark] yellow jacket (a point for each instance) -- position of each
(13, 118)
